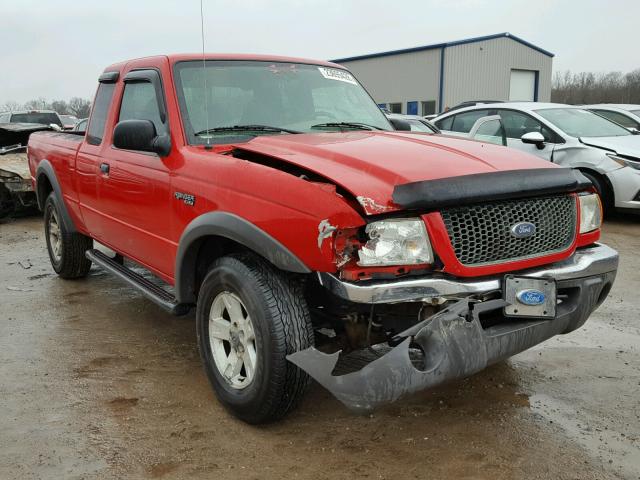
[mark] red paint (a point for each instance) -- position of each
(133, 210)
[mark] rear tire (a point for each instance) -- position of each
(273, 322)
(66, 249)
(606, 197)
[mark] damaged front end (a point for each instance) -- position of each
(451, 328)
(16, 191)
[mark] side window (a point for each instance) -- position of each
(139, 102)
(463, 122)
(517, 124)
(445, 123)
(4, 118)
(619, 118)
(99, 113)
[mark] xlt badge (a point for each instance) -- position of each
(187, 198)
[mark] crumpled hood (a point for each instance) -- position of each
(15, 163)
(628, 145)
(370, 164)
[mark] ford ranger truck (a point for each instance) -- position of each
(313, 238)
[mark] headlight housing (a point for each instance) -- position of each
(625, 162)
(590, 212)
(396, 242)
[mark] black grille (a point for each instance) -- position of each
(481, 234)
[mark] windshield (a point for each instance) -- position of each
(582, 123)
(289, 96)
(36, 117)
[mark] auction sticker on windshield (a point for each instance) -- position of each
(337, 74)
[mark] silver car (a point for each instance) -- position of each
(570, 136)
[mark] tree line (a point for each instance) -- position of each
(79, 107)
(587, 87)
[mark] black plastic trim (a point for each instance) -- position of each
(109, 77)
(149, 289)
(484, 187)
(233, 227)
(46, 169)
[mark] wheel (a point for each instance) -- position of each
(66, 249)
(249, 317)
(603, 190)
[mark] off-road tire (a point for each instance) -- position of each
(282, 325)
(72, 262)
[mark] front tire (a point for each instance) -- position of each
(249, 317)
(606, 196)
(66, 249)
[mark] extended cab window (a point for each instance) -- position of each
(139, 102)
(99, 113)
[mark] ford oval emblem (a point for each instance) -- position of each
(531, 297)
(523, 229)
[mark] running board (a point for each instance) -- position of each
(147, 288)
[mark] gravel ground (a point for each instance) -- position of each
(98, 382)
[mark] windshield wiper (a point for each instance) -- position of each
(244, 128)
(356, 125)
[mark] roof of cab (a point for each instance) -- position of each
(182, 57)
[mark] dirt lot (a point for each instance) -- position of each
(98, 382)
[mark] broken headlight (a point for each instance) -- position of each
(396, 242)
(590, 212)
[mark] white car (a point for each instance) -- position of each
(627, 115)
(607, 153)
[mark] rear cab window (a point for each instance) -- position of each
(99, 112)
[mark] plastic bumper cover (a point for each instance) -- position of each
(454, 342)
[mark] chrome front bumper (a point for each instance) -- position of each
(585, 262)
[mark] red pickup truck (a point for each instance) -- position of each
(312, 236)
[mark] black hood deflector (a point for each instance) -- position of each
(485, 187)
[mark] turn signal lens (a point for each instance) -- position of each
(590, 212)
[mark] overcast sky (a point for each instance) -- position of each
(56, 49)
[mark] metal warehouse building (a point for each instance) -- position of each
(428, 79)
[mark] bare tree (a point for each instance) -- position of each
(60, 106)
(10, 106)
(588, 87)
(80, 107)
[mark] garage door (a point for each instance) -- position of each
(523, 85)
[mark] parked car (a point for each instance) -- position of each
(16, 190)
(43, 117)
(310, 237)
(626, 115)
(468, 103)
(608, 154)
(81, 126)
(416, 122)
(68, 121)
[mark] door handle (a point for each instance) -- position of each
(104, 168)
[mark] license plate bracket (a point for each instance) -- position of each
(529, 297)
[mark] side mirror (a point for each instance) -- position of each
(400, 125)
(533, 138)
(140, 135)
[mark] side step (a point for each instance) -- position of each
(150, 290)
